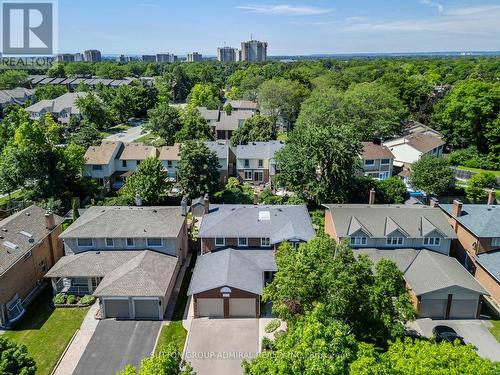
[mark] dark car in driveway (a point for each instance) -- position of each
(445, 333)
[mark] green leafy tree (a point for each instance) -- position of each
(392, 190)
(254, 129)
(194, 127)
(86, 136)
(15, 116)
(314, 345)
(198, 169)
(74, 209)
(421, 357)
(164, 121)
(78, 68)
(11, 174)
(10, 79)
(128, 101)
(204, 96)
(477, 185)
(110, 70)
(94, 111)
(56, 71)
(49, 92)
(148, 181)
(14, 359)
(235, 193)
(432, 175)
(228, 108)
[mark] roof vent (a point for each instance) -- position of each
(264, 215)
(31, 240)
(27, 234)
(4, 229)
(10, 245)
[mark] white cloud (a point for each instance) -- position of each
(472, 10)
(431, 3)
(285, 9)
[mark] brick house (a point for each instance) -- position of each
(376, 161)
(255, 162)
(29, 247)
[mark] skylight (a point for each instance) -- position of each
(10, 245)
(27, 234)
(264, 215)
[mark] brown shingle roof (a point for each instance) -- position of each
(374, 151)
(101, 154)
(137, 151)
(423, 142)
(170, 152)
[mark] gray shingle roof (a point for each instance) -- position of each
(220, 148)
(379, 220)
(66, 101)
(148, 274)
(232, 121)
(286, 222)
(209, 114)
(30, 220)
(124, 221)
(481, 219)
(258, 150)
(427, 271)
(491, 263)
(241, 269)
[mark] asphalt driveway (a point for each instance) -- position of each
(218, 346)
(474, 331)
(115, 344)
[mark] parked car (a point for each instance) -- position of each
(445, 333)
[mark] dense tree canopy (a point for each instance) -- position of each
(14, 359)
(254, 129)
(164, 121)
(194, 127)
(477, 185)
(148, 182)
(203, 95)
(432, 175)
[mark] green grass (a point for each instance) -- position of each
(495, 330)
(46, 331)
(146, 139)
(14, 196)
(175, 332)
(476, 170)
(115, 129)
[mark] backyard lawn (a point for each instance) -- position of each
(46, 331)
(14, 196)
(495, 330)
(476, 170)
(175, 332)
(147, 139)
(115, 129)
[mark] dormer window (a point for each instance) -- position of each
(432, 241)
(358, 240)
(84, 242)
(155, 242)
(394, 241)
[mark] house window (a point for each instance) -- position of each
(393, 241)
(385, 161)
(246, 163)
(219, 241)
(124, 163)
(97, 167)
(358, 240)
(138, 162)
(247, 175)
(261, 163)
(495, 241)
(130, 242)
(154, 242)
(369, 162)
(43, 265)
(383, 175)
(109, 242)
(265, 242)
(258, 176)
(169, 163)
(242, 241)
(432, 241)
(84, 242)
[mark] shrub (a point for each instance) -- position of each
(267, 344)
(477, 184)
(59, 299)
(272, 326)
(71, 299)
(87, 300)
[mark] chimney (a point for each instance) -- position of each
(255, 198)
(492, 198)
(456, 210)
(371, 200)
(433, 202)
(50, 221)
(184, 206)
(206, 204)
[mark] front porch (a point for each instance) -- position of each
(78, 286)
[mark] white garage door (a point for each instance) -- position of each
(433, 308)
(147, 309)
(211, 307)
(242, 307)
(116, 308)
(463, 308)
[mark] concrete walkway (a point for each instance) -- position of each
(127, 136)
(73, 354)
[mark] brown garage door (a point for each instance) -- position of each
(432, 308)
(463, 308)
(147, 309)
(242, 307)
(210, 307)
(116, 308)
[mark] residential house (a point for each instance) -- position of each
(132, 154)
(228, 123)
(477, 227)
(128, 257)
(418, 239)
(237, 260)
(29, 247)
(210, 115)
(221, 149)
(100, 162)
(242, 105)
(413, 127)
(63, 108)
(170, 157)
(255, 161)
(18, 95)
(376, 161)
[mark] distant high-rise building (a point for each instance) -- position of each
(65, 57)
(149, 58)
(227, 54)
(92, 55)
(79, 56)
(194, 57)
(166, 57)
(253, 50)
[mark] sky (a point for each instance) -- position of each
(290, 27)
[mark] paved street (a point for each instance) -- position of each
(218, 346)
(473, 331)
(127, 136)
(116, 344)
